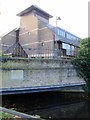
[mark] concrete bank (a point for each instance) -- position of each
(20, 73)
(23, 115)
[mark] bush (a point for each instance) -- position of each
(82, 62)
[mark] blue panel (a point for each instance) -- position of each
(7, 91)
(42, 15)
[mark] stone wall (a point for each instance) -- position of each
(38, 72)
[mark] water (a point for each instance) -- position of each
(47, 105)
(50, 105)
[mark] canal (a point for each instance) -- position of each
(49, 105)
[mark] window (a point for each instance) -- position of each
(61, 32)
(67, 35)
(72, 50)
(71, 37)
(67, 47)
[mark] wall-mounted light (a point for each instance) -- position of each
(42, 43)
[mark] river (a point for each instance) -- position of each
(50, 105)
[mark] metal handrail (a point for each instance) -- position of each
(52, 53)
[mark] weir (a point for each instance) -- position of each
(38, 75)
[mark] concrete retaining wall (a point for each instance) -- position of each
(41, 72)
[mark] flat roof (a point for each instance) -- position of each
(34, 7)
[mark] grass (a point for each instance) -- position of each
(4, 116)
(8, 116)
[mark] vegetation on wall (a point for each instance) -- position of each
(0, 53)
(82, 62)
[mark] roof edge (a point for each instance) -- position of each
(33, 7)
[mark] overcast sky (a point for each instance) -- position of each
(73, 14)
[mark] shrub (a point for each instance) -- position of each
(82, 62)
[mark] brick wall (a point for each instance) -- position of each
(35, 35)
(45, 36)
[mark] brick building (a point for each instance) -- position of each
(37, 38)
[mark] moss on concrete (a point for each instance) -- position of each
(21, 63)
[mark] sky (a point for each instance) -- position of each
(73, 14)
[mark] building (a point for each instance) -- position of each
(37, 38)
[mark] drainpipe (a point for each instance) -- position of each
(17, 35)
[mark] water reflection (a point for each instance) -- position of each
(51, 105)
(75, 110)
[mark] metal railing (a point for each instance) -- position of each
(46, 53)
(51, 53)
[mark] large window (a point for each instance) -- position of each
(72, 50)
(67, 47)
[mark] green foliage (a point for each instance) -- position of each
(84, 51)
(82, 62)
(0, 53)
(5, 116)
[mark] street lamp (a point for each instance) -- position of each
(57, 18)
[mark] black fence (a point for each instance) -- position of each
(50, 53)
(44, 53)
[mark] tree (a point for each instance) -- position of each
(82, 62)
